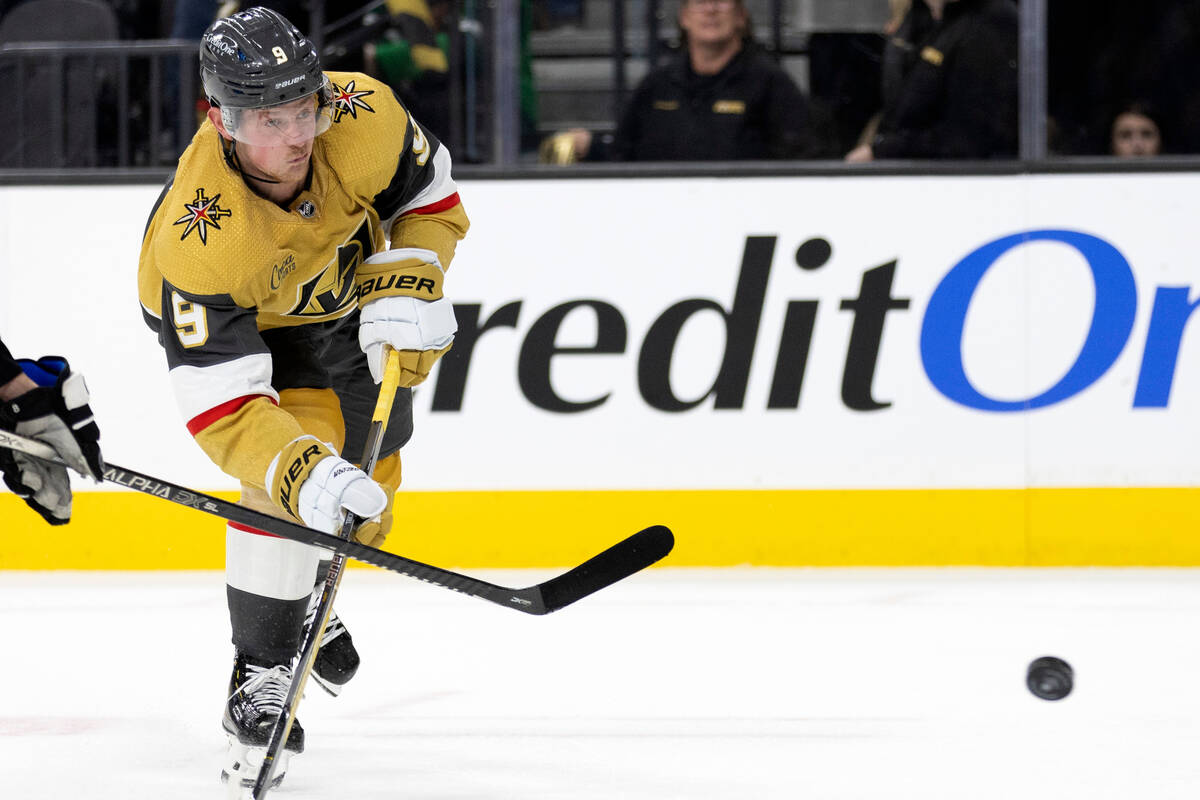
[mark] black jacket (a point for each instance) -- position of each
(950, 87)
(751, 109)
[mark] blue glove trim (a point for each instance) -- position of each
(46, 371)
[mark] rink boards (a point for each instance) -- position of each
(787, 371)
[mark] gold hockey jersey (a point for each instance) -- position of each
(220, 263)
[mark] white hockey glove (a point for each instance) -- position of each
(317, 487)
(401, 304)
(58, 414)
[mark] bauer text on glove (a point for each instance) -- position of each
(314, 485)
(401, 302)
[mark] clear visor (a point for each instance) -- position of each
(275, 126)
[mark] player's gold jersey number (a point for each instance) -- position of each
(191, 321)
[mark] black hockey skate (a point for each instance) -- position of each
(257, 692)
(337, 660)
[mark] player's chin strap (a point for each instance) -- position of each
(231, 158)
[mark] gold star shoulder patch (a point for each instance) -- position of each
(201, 213)
(348, 100)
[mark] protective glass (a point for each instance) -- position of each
(282, 125)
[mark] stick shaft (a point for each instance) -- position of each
(315, 631)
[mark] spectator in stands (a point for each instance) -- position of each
(1135, 132)
(412, 56)
(720, 98)
(949, 84)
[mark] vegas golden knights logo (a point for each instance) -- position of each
(332, 290)
(202, 213)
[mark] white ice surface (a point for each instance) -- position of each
(690, 684)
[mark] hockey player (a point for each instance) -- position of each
(307, 229)
(44, 400)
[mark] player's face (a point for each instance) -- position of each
(286, 163)
(280, 125)
(712, 22)
(277, 142)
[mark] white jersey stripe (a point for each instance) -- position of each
(441, 187)
(198, 389)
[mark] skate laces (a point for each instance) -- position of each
(333, 629)
(267, 687)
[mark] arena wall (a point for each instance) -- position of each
(787, 371)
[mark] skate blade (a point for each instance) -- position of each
(331, 689)
(242, 763)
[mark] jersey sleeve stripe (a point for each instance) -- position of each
(438, 207)
(438, 185)
(199, 389)
(202, 421)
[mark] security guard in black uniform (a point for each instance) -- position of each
(949, 83)
(720, 99)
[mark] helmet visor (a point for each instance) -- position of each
(282, 125)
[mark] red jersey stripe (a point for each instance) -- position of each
(202, 421)
(434, 208)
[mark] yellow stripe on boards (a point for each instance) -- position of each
(465, 530)
(1114, 527)
(113, 530)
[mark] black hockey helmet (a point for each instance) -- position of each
(257, 59)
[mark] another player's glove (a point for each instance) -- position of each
(401, 303)
(56, 413)
(308, 481)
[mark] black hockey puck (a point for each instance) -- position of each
(1050, 678)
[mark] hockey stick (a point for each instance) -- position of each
(618, 562)
(314, 631)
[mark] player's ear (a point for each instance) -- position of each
(214, 116)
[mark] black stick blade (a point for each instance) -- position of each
(616, 563)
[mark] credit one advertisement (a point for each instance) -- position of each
(765, 333)
(982, 332)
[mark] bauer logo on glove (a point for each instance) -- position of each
(318, 486)
(407, 272)
(401, 306)
(412, 284)
(298, 466)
